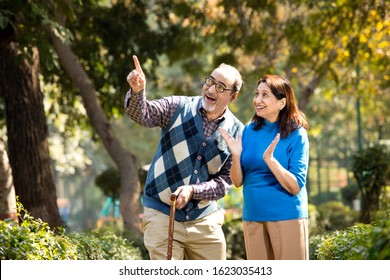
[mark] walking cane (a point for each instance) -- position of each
(171, 226)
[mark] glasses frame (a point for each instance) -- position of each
(218, 87)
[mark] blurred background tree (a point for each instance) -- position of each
(371, 169)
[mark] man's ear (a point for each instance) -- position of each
(233, 96)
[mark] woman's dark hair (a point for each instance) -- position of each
(290, 117)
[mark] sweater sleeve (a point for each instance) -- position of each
(150, 113)
(299, 156)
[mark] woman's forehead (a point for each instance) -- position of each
(263, 86)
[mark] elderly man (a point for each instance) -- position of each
(192, 161)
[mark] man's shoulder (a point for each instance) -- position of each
(232, 124)
(229, 114)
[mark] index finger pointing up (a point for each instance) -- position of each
(137, 65)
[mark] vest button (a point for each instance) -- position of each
(187, 217)
(204, 144)
(199, 157)
(196, 171)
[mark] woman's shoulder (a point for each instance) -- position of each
(300, 133)
(248, 127)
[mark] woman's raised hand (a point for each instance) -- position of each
(234, 145)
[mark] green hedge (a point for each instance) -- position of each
(33, 239)
(334, 215)
(358, 242)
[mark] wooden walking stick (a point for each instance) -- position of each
(171, 226)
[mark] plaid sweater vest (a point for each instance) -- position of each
(184, 156)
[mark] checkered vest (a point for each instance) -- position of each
(184, 157)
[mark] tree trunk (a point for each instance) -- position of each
(27, 132)
(7, 190)
(306, 92)
(126, 161)
(365, 215)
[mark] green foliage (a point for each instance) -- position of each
(109, 182)
(313, 219)
(334, 215)
(35, 240)
(349, 194)
(234, 240)
(138, 242)
(32, 240)
(106, 36)
(359, 242)
(5, 16)
(384, 206)
(371, 170)
(314, 243)
(103, 245)
(339, 245)
(232, 204)
(379, 243)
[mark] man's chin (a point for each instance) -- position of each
(208, 107)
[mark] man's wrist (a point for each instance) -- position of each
(136, 92)
(195, 192)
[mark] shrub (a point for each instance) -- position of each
(371, 169)
(334, 215)
(104, 245)
(339, 245)
(359, 242)
(384, 206)
(314, 243)
(109, 182)
(35, 240)
(313, 219)
(349, 194)
(234, 240)
(379, 242)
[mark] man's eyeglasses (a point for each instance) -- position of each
(219, 88)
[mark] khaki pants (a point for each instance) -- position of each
(202, 239)
(283, 240)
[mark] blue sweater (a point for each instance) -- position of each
(264, 198)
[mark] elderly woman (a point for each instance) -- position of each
(270, 161)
